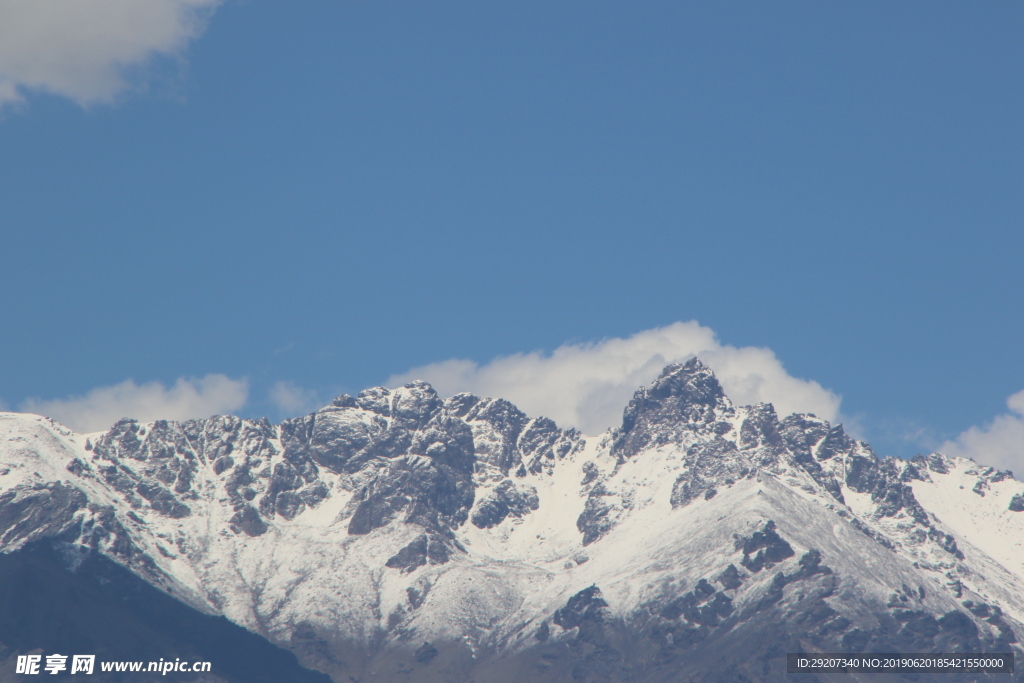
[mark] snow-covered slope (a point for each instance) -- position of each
(399, 536)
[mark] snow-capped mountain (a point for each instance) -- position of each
(399, 536)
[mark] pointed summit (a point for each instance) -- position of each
(691, 381)
(685, 397)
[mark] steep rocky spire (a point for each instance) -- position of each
(684, 397)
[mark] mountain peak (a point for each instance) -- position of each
(685, 397)
(412, 527)
(692, 381)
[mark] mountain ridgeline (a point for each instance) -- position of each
(399, 536)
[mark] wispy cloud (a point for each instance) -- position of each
(103, 406)
(292, 399)
(1000, 443)
(588, 385)
(85, 49)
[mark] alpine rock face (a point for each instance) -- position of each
(400, 536)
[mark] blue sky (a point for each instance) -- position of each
(314, 197)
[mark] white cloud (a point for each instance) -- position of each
(588, 385)
(86, 49)
(292, 399)
(102, 407)
(1000, 443)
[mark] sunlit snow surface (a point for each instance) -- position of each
(308, 577)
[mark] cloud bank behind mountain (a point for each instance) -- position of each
(587, 385)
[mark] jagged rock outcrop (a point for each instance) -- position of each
(399, 535)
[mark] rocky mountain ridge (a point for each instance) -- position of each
(397, 535)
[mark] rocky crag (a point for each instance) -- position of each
(397, 535)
